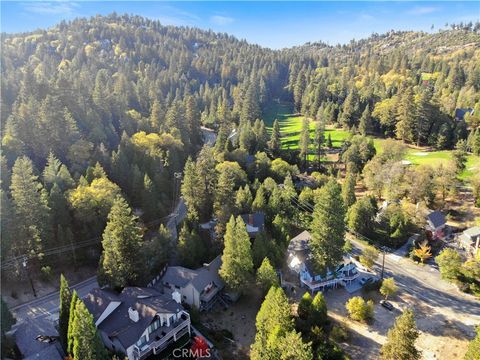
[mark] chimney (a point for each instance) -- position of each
(133, 314)
(177, 297)
(250, 219)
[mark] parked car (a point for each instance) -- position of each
(386, 305)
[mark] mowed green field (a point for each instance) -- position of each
(291, 124)
(435, 158)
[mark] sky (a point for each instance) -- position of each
(270, 24)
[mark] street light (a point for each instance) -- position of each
(28, 276)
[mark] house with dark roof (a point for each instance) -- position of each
(436, 224)
(300, 262)
(138, 322)
(199, 288)
(255, 223)
(470, 240)
(460, 113)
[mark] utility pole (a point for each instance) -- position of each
(383, 261)
(28, 276)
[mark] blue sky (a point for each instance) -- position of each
(271, 24)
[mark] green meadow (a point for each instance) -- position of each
(291, 124)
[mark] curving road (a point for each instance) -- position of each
(425, 283)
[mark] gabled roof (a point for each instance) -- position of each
(147, 301)
(199, 278)
(473, 231)
(256, 220)
(436, 218)
(300, 242)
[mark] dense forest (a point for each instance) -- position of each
(98, 116)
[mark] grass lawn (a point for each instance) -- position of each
(291, 125)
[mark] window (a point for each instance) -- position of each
(154, 326)
(142, 341)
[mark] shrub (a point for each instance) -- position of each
(359, 309)
(339, 333)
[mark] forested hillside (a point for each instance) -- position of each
(98, 109)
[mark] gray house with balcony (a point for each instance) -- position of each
(199, 288)
(138, 322)
(470, 240)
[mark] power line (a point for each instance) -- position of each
(10, 263)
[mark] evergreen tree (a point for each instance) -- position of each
(266, 275)
(33, 220)
(361, 215)
(275, 143)
(406, 111)
(318, 313)
(460, 155)
(86, 341)
(122, 237)
(243, 200)
(190, 248)
(365, 124)
(401, 339)
(328, 227)
(348, 189)
(305, 306)
(274, 313)
(71, 320)
(260, 202)
(304, 141)
(329, 141)
(65, 301)
(237, 264)
(319, 138)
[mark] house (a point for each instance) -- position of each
(209, 136)
(436, 224)
(138, 322)
(199, 288)
(460, 113)
(300, 262)
(255, 223)
(470, 240)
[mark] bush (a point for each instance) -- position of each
(359, 309)
(339, 333)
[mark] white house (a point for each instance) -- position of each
(199, 288)
(470, 240)
(300, 261)
(138, 322)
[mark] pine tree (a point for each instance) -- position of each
(319, 139)
(149, 199)
(260, 202)
(328, 227)
(305, 306)
(122, 237)
(266, 275)
(406, 111)
(86, 341)
(401, 339)
(71, 320)
(329, 141)
(33, 218)
(65, 301)
(304, 141)
(191, 250)
(348, 189)
(237, 264)
(275, 143)
(243, 200)
(318, 313)
(365, 124)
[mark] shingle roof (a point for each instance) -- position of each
(436, 218)
(300, 242)
(257, 218)
(473, 231)
(201, 277)
(147, 301)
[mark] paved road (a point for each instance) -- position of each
(424, 282)
(48, 305)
